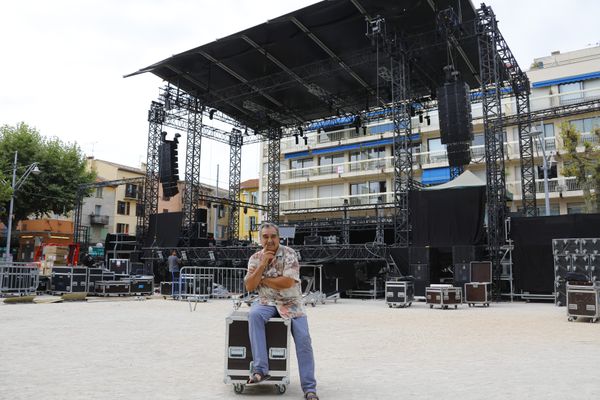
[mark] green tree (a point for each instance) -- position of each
(62, 165)
(584, 165)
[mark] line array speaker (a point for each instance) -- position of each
(455, 113)
(168, 167)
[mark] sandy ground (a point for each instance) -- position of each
(158, 349)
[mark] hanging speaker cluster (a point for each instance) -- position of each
(456, 128)
(168, 166)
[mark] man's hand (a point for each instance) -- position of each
(255, 278)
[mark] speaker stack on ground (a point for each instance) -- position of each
(462, 256)
(574, 257)
(168, 165)
(420, 261)
(456, 128)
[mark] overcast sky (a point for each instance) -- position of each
(63, 61)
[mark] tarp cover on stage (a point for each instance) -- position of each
(533, 262)
(448, 217)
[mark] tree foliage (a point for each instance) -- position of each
(584, 165)
(62, 166)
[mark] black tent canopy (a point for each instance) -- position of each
(317, 62)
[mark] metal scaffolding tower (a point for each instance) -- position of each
(156, 118)
(192, 171)
(236, 140)
(494, 143)
(273, 175)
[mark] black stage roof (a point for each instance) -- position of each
(317, 62)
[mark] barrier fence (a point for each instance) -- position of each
(18, 279)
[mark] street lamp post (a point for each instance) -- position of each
(16, 185)
(538, 134)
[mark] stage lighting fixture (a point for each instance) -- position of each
(428, 120)
(306, 140)
(364, 131)
(211, 113)
(301, 131)
(296, 137)
(420, 117)
(246, 131)
(413, 112)
(357, 128)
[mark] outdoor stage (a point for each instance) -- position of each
(157, 349)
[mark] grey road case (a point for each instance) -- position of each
(238, 353)
(443, 296)
(399, 293)
(583, 301)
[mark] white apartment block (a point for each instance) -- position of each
(355, 165)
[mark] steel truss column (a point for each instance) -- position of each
(403, 160)
(236, 140)
(528, 188)
(273, 175)
(149, 206)
(346, 225)
(191, 192)
(379, 228)
(494, 146)
(402, 144)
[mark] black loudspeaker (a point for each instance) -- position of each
(455, 113)
(459, 154)
(201, 215)
(462, 274)
(465, 254)
(168, 167)
(422, 277)
(418, 255)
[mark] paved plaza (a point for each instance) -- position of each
(121, 348)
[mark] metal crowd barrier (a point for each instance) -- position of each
(202, 283)
(18, 279)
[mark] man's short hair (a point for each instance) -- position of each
(268, 225)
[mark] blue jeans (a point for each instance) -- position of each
(175, 284)
(258, 317)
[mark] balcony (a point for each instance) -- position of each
(353, 200)
(98, 219)
(557, 187)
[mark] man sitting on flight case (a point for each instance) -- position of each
(275, 273)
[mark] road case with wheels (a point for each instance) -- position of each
(583, 300)
(238, 353)
(399, 293)
(477, 293)
(443, 296)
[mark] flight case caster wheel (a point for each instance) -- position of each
(280, 389)
(455, 306)
(431, 306)
(238, 388)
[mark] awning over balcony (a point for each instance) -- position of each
(568, 79)
(435, 175)
(339, 149)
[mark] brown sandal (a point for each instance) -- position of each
(257, 377)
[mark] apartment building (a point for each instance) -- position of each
(347, 163)
(112, 209)
(248, 227)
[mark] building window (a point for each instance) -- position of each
(586, 125)
(552, 172)
(328, 164)
(574, 92)
(123, 207)
(122, 228)
(99, 193)
(298, 166)
(97, 210)
(377, 154)
(131, 191)
(252, 225)
(575, 208)
(372, 189)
